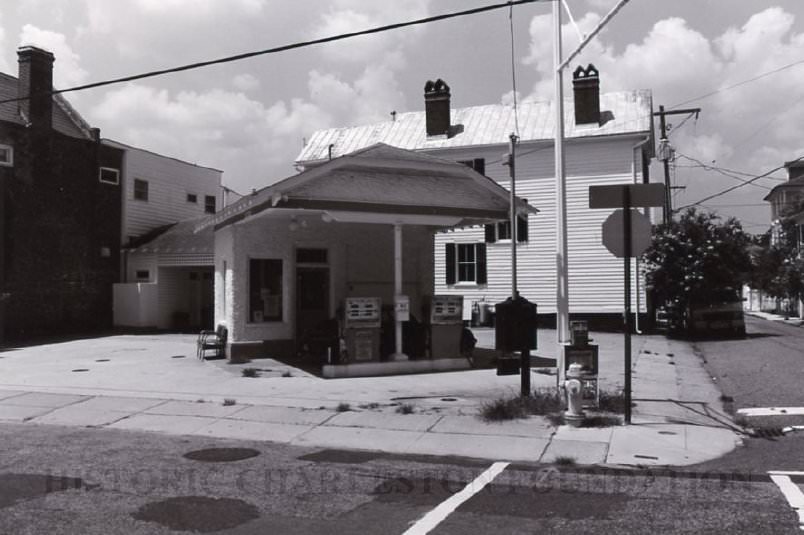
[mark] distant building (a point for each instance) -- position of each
(787, 200)
(77, 210)
(167, 268)
(609, 140)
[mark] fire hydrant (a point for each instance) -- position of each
(574, 414)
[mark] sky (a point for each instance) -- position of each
(250, 118)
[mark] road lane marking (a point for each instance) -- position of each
(792, 494)
(429, 521)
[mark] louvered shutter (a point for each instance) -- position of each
(480, 262)
(450, 263)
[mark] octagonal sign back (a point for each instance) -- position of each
(614, 233)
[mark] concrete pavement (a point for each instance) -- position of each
(155, 383)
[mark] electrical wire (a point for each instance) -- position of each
(727, 190)
(738, 84)
(283, 48)
(720, 171)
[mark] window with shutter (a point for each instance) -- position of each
(465, 263)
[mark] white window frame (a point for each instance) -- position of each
(458, 279)
(115, 182)
(139, 272)
(10, 161)
(147, 190)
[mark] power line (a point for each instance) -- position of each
(721, 171)
(727, 190)
(738, 84)
(292, 46)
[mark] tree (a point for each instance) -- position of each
(697, 259)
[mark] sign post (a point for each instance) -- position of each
(633, 244)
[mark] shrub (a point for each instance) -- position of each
(251, 372)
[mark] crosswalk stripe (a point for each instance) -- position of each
(792, 494)
(429, 521)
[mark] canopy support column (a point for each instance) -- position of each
(398, 354)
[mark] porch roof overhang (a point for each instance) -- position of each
(383, 184)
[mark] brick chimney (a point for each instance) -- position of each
(586, 87)
(36, 82)
(436, 107)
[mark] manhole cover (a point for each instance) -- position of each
(221, 455)
(101, 360)
(198, 513)
(177, 357)
(18, 487)
(81, 370)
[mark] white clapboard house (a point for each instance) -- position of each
(608, 140)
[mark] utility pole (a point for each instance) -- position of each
(666, 154)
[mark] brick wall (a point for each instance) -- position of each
(62, 234)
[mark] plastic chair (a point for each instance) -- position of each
(212, 341)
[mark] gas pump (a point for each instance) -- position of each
(446, 326)
(584, 357)
(361, 325)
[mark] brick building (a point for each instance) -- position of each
(61, 212)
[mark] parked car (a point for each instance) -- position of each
(719, 312)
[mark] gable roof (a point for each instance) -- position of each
(381, 179)
(628, 112)
(66, 120)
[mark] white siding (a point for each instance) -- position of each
(596, 276)
(169, 182)
(360, 263)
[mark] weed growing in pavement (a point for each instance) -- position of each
(227, 402)
(406, 408)
(564, 460)
(542, 402)
(548, 402)
(343, 407)
(611, 402)
(371, 406)
(251, 372)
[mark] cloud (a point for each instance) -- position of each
(219, 128)
(347, 16)
(67, 70)
(753, 127)
(246, 82)
(4, 65)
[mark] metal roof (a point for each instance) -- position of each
(380, 177)
(626, 112)
(188, 236)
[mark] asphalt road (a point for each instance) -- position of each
(765, 369)
(56, 480)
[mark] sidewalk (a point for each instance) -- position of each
(154, 383)
(775, 317)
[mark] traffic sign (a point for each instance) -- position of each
(614, 231)
(614, 196)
